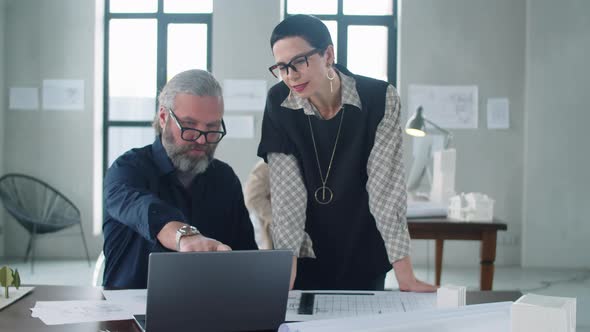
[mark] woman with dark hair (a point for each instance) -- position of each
(333, 144)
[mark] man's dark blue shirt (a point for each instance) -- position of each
(142, 193)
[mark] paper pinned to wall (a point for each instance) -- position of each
(239, 126)
(448, 106)
(498, 113)
(244, 95)
(23, 99)
(63, 95)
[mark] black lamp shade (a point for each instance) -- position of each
(415, 125)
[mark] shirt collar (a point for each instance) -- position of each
(161, 157)
(350, 96)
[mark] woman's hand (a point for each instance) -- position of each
(407, 280)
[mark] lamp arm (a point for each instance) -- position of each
(448, 134)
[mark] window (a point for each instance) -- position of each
(147, 42)
(364, 32)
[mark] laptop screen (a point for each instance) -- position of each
(218, 291)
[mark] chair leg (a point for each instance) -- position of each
(29, 248)
(84, 241)
(33, 235)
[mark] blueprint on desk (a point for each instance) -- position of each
(488, 317)
(311, 305)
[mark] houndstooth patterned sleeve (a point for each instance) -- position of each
(386, 184)
(289, 204)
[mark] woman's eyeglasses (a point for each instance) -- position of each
(298, 63)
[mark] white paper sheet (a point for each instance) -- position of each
(133, 300)
(244, 95)
(498, 113)
(490, 317)
(14, 295)
(330, 304)
(447, 106)
(239, 126)
(63, 95)
(69, 312)
(23, 99)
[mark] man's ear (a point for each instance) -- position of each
(162, 113)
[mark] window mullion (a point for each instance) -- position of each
(162, 55)
(105, 93)
(209, 44)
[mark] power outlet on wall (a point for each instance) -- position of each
(508, 239)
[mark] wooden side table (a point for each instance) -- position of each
(440, 229)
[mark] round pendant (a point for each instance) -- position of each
(323, 195)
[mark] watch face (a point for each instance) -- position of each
(188, 230)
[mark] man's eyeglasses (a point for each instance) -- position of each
(193, 134)
(297, 63)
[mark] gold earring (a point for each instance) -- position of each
(331, 78)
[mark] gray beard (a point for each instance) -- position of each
(187, 165)
(181, 161)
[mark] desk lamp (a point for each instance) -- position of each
(417, 123)
(443, 177)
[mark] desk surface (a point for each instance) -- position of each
(17, 317)
(433, 224)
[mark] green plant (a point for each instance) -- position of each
(8, 278)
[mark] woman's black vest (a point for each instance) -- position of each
(349, 249)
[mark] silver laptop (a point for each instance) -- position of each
(217, 291)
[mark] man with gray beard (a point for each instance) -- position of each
(173, 195)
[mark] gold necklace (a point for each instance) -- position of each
(324, 195)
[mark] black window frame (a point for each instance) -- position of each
(344, 21)
(163, 20)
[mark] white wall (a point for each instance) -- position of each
(51, 40)
(3, 107)
(473, 42)
(557, 159)
(241, 50)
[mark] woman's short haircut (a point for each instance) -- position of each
(308, 27)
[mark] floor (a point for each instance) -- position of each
(556, 282)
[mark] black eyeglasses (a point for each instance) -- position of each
(297, 63)
(193, 134)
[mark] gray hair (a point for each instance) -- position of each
(194, 82)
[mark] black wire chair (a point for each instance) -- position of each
(39, 208)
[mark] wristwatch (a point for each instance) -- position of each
(186, 230)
